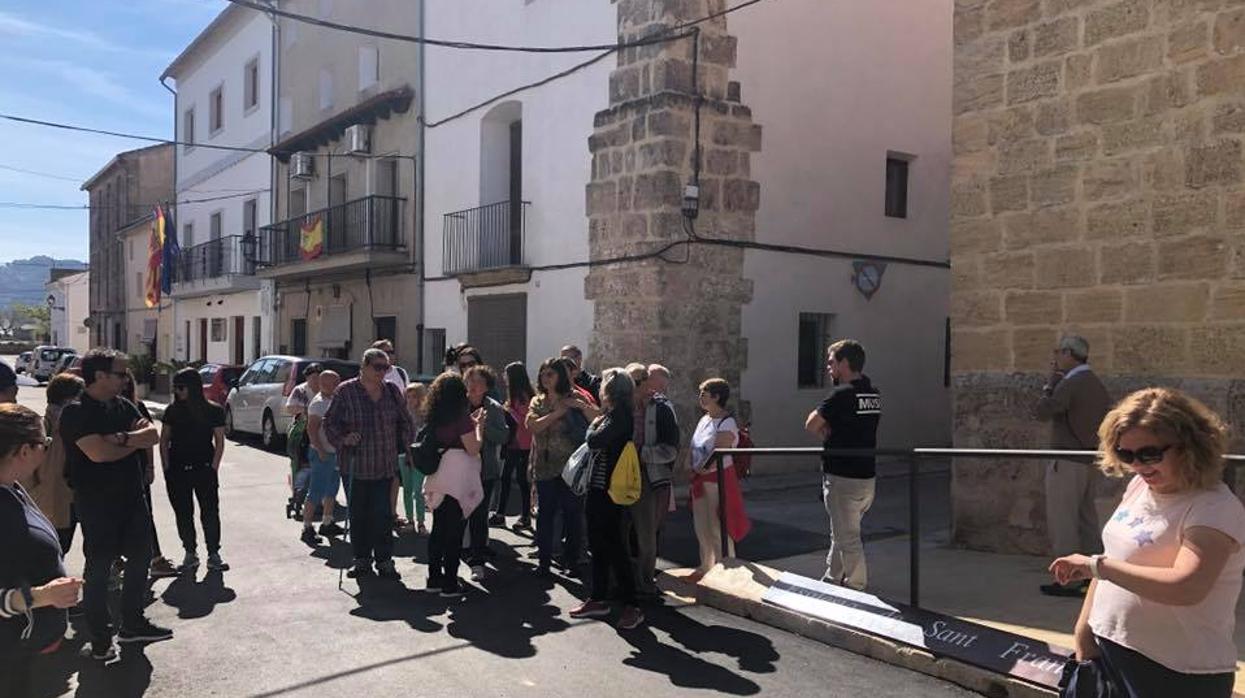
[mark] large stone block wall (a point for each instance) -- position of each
(1098, 186)
(683, 310)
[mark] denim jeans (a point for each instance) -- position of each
(371, 521)
(555, 497)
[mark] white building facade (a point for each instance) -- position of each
(69, 294)
(853, 170)
(224, 85)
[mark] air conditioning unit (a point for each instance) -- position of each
(302, 166)
(359, 137)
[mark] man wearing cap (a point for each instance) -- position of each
(8, 384)
(1074, 401)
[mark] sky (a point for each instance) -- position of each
(91, 63)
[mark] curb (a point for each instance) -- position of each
(736, 587)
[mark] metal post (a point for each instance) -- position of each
(914, 536)
(717, 461)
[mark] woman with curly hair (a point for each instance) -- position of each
(1159, 615)
(454, 491)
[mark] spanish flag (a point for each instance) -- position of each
(155, 257)
(311, 238)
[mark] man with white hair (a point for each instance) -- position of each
(1074, 401)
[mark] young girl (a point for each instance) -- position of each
(412, 479)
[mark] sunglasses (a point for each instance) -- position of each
(1146, 455)
(381, 368)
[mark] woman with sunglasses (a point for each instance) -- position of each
(192, 443)
(1159, 615)
(34, 589)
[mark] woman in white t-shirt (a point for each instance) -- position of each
(1161, 610)
(717, 429)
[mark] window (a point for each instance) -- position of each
(218, 329)
(434, 350)
(188, 235)
(214, 228)
(298, 202)
(250, 212)
(216, 110)
(815, 334)
(298, 336)
(139, 290)
(896, 187)
(250, 93)
(326, 89)
(386, 328)
(369, 67)
(188, 128)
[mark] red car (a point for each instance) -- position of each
(217, 379)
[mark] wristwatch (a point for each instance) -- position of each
(1093, 566)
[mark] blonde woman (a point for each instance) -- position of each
(1159, 614)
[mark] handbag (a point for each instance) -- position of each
(577, 470)
(1088, 679)
(426, 452)
(625, 482)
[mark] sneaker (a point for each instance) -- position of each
(591, 609)
(189, 563)
(143, 631)
(309, 536)
(386, 570)
(477, 573)
(331, 529)
(435, 582)
(216, 564)
(523, 524)
(497, 520)
(360, 569)
(452, 589)
(161, 568)
(631, 618)
(100, 651)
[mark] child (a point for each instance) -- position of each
(412, 479)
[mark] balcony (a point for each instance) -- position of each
(487, 238)
(223, 265)
(358, 234)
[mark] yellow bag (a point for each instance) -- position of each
(625, 482)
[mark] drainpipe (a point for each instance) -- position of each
(422, 96)
(274, 191)
(172, 351)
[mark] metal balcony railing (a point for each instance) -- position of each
(370, 223)
(233, 255)
(487, 237)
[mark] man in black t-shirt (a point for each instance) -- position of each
(103, 434)
(847, 418)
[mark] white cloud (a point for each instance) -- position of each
(14, 25)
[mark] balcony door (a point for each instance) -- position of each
(215, 256)
(516, 194)
(239, 340)
(339, 234)
(203, 339)
(385, 224)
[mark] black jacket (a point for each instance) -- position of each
(607, 438)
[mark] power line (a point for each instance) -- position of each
(36, 173)
(660, 37)
(83, 207)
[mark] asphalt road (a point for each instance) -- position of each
(278, 623)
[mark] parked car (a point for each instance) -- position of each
(47, 359)
(75, 366)
(256, 402)
(65, 363)
(217, 379)
(24, 363)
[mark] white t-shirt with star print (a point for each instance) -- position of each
(1147, 529)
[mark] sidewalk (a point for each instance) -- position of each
(1000, 591)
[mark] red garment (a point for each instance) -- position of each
(587, 396)
(737, 522)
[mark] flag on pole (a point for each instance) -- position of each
(155, 253)
(311, 238)
(169, 252)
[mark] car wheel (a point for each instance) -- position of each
(229, 432)
(268, 435)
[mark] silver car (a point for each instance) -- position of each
(47, 361)
(256, 402)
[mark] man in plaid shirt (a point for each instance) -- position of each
(368, 425)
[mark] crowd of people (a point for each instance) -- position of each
(1160, 583)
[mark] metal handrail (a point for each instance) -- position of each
(369, 222)
(492, 236)
(913, 455)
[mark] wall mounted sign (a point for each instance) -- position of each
(867, 277)
(1006, 653)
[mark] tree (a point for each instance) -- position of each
(26, 314)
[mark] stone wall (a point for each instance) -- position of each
(1097, 187)
(683, 310)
